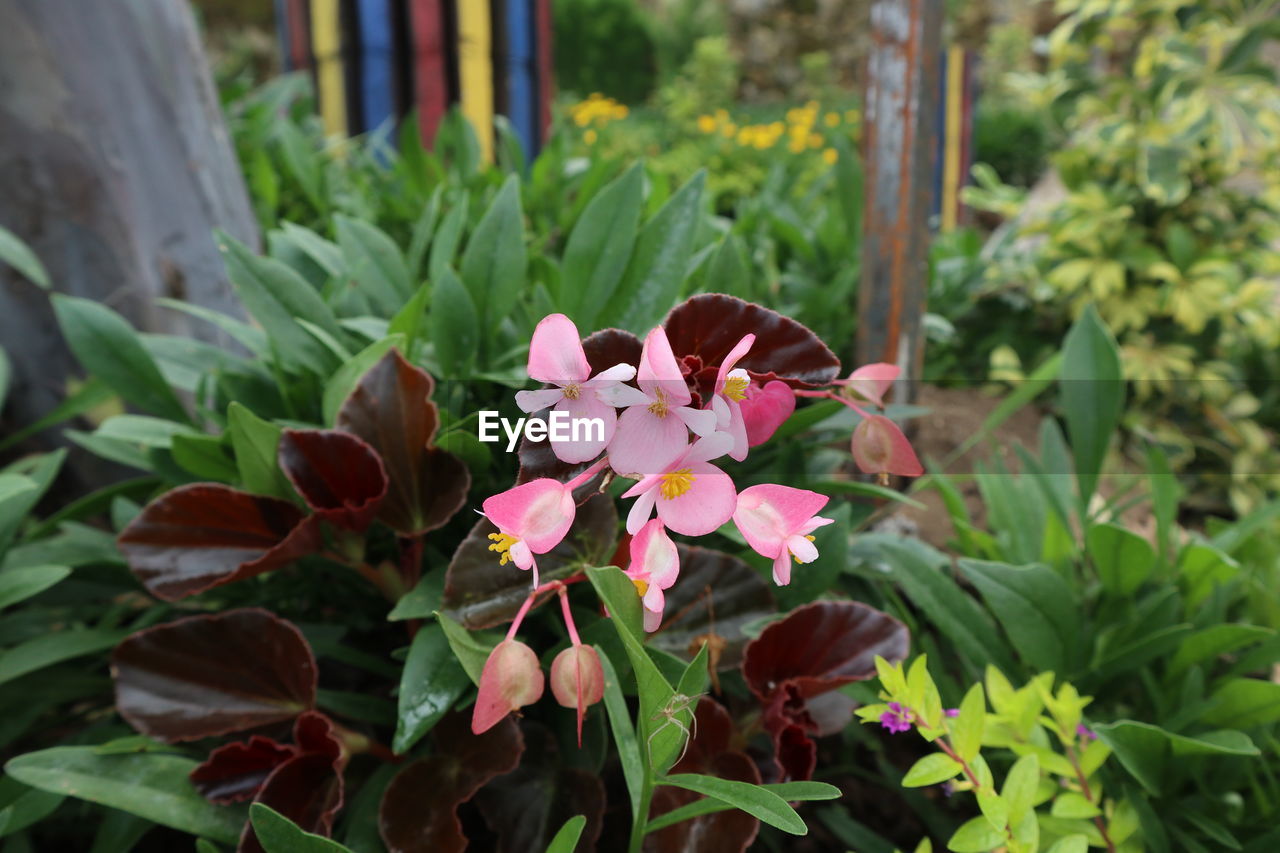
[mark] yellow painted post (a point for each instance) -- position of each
(952, 138)
(326, 43)
(475, 66)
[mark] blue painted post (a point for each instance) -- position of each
(377, 76)
(522, 90)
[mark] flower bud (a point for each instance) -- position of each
(879, 447)
(510, 680)
(576, 676)
(764, 409)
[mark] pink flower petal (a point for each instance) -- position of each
(652, 620)
(654, 558)
(641, 510)
(536, 401)
(737, 431)
(706, 448)
(707, 504)
(645, 443)
(879, 447)
(617, 373)
(873, 380)
(765, 409)
(587, 447)
(740, 349)
(555, 353)
(700, 422)
(538, 513)
(782, 568)
(619, 395)
(768, 515)
(802, 549)
(659, 370)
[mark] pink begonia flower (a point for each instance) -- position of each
(511, 679)
(879, 447)
(556, 357)
(731, 389)
(872, 381)
(777, 522)
(692, 496)
(531, 519)
(765, 408)
(655, 565)
(655, 427)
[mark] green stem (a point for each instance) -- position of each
(642, 813)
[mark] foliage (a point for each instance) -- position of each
(1169, 219)
(1012, 139)
(605, 46)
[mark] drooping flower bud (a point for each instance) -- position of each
(577, 680)
(879, 447)
(764, 409)
(511, 679)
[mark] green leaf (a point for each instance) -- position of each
(344, 379)
(408, 320)
(108, 347)
(1020, 786)
(55, 647)
(624, 734)
(596, 255)
(1092, 395)
(204, 456)
(6, 374)
(1070, 844)
(1034, 605)
(566, 840)
(1070, 804)
(254, 443)
(792, 792)
(1214, 641)
(20, 584)
(375, 262)
(150, 785)
(933, 769)
(142, 430)
(1244, 703)
(278, 834)
(18, 255)
(470, 652)
(970, 724)
(975, 836)
(455, 325)
(994, 809)
(445, 244)
(431, 683)
(656, 270)
(493, 264)
(1123, 558)
(764, 805)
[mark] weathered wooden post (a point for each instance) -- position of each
(899, 138)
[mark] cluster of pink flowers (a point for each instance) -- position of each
(654, 434)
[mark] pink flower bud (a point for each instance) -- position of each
(879, 447)
(765, 408)
(510, 680)
(577, 680)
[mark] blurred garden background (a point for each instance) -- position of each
(220, 220)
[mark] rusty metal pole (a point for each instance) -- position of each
(899, 143)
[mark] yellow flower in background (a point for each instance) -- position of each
(851, 116)
(830, 156)
(796, 146)
(815, 140)
(706, 124)
(729, 130)
(831, 119)
(590, 137)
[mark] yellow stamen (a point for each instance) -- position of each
(797, 559)
(641, 586)
(676, 483)
(659, 407)
(735, 387)
(502, 544)
(572, 391)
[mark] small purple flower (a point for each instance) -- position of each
(952, 712)
(897, 719)
(1084, 733)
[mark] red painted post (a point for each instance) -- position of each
(899, 140)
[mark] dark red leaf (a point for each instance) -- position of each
(712, 582)
(527, 806)
(307, 789)
(234, 772)
(822, 646)
(313, 733)
(795, 754)
(203, 535)
(339, 476)
(608, 347)
(419, 809)
(711, 753)
(210, 675)
(480, 593)
(706, 327)
(391, 409)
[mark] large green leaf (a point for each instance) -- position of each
(254, 443)
(1146, 750)
(108, 347)
(493, 264)
(596, 255)
(278, 834)
(54, 647)
(658, 263)
(1092, 396)
(455, 325)
(1036, 608)
(18, 255)
(1123, 558)
(375, 262)
(432, 682)
(1244, 703)
(755, 800)
(20, 584)
(150, 785)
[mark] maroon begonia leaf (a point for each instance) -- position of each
(704, 328)
(795, 754)
(313, 733)
(234, 772)
(609, 347)
(419, 808)
(822, 646)
(307, 789)
(210, 675)
(391, 409)
(340, 477)
(479, 592)
(711, 753)
(717, 593)
(200, 536)
(527, 806)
